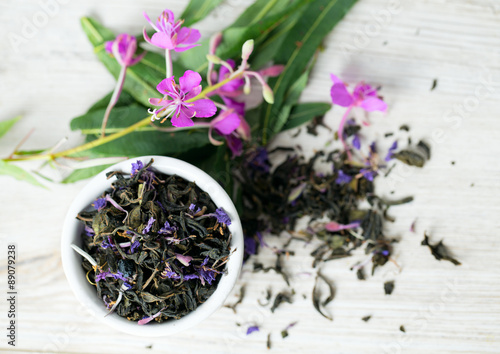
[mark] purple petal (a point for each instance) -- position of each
(109, 47)
(162, 40)
(183, 49)
(339, 94)
(227, 125)
(193, 93)
(204, 108)
(183, 259)
(166, 86)
(250, 245)
(252, 329)
(158, 101)
(188, 36)
(356, 142)
(182, 120)
(235, 145)
(189, 80)
(373, 104)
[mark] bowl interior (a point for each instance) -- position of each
(86, 293)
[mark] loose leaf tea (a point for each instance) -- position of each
(389, 287)
(439, 250)
(159, 242)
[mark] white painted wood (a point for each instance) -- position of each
(54, 76)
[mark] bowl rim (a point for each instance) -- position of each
(75, 274)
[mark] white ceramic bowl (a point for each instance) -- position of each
(86, 293)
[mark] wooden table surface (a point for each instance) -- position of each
(51, 75)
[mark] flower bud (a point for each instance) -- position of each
(247, 49)
(268, 94)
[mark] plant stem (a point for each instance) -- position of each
(103, 140)
(114, 98)
(168, 63)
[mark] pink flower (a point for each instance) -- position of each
(364, 96)
(170, 35)
(178, 107)
(123, 49)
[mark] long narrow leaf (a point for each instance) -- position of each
(297, 49)
(7, 124)
(304, 112)
(197, 10)
(18, 173)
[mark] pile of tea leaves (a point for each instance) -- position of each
(341, 208)
(157, 244)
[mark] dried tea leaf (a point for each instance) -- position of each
(439, 251)
(241, 296)
(280, 298)
(389, 287)
(366, 318)
(410, 157)
(402, 329)
(316, 295)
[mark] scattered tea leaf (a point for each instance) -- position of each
(241, 296)
(316, 295)
(439, 250)
(402, 329)
(269, 340)
(281, 298)
(389, 287)
(410, 157)
(434, 84)
(366, 318)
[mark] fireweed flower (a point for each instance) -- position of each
(178, 107)
(363, 95)
(123, 48)
(170, 34)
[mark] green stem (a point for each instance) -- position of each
(114, 98)
(168, 63)
(103, 140)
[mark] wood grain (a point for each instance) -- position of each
(54, 76)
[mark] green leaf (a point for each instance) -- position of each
(292, 97)
(18, 173)
(125, 99)
(257, 28)
(119, 118)
(84, 173)
(197, 10)
(142, 78)
(266, 51)
(304, 112)
(317, 20)
(149, 143)
(7, 124)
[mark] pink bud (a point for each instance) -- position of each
(215, 42)
(272, 71)
(247, 49)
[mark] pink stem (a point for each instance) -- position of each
(341, 131)
(114, 98)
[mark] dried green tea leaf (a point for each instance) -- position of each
(389, 287)
(241, 296)
(366, 318)
(410, 158)
(402, 329)
(281, 298)
(316, 295)
(439, 251)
